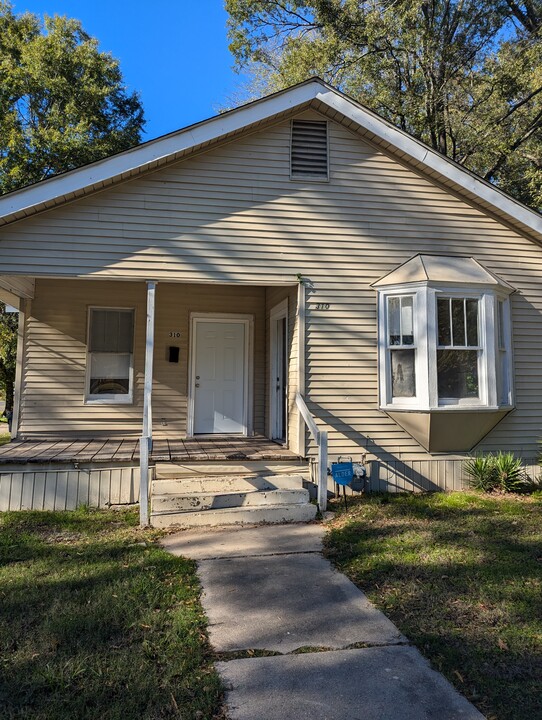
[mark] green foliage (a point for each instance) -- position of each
(8, 353)
(62, 101)
(98, 621)
(465, 76)
(481, 472)
(459, 574)
(503, 472)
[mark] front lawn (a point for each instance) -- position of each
(5, 437)
(460, 574)
(96, 621)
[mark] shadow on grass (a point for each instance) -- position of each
(462, 578)
(97, 622)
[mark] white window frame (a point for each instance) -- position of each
(426, 344)
(113, 398)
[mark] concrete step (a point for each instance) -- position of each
(190, 502)
(235, 468)
(225, 483)
(235, 516)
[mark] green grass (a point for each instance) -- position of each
(96, 621)
(4, 438)
(461, 576)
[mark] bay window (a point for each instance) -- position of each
(444, 337)
(110, 355)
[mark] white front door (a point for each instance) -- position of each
(219, 377)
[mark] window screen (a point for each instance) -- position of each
(111, 331)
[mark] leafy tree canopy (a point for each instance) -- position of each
(63, 103)
(465, 76)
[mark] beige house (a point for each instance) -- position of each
(292, 274)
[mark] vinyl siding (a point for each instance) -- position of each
(233, 216)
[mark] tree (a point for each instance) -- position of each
(465, 76)
(62, 102)
(8, 354)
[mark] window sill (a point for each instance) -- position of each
(447, 408)
(108, 401)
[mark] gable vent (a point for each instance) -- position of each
(308, 150)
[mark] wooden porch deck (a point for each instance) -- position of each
(220, 448)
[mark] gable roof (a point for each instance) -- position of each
(313, 93)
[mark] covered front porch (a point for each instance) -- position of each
(193, 373)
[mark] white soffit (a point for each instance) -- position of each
(149, 155)
(442, 269)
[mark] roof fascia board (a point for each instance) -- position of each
(434, 161)
(155, 151)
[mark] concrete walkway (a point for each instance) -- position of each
(331, 654)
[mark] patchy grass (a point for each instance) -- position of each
(461, 576)
(96, 621)
(4, 438)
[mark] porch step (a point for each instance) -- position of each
(226, 484)
(211, 494)
(191, 502)
(236, 516)
(235, 468)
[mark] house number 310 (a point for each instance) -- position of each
(322, 306)
(174, 334)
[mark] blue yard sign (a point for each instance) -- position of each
(342, 472)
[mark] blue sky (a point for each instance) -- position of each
(174, 52)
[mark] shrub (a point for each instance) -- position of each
(502, 472)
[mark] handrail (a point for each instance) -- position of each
(320, 437)
(307, 417)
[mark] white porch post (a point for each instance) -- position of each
(145, 442)
(24, 308)
(301, 359)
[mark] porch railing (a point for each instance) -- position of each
(320, 438)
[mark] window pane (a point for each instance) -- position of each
(394, 320)
(472, 322)
(457, 374)
(109, 374)
(407, 321)
(403, 376)
(458, 321)
(125, 331)
(443, 310)
(111, 330)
